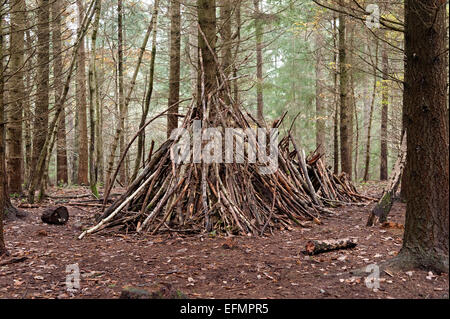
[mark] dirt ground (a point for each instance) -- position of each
(202, 266)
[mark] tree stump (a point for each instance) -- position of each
(55, 216)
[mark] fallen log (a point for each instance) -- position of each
(314, 247)
(55, 216)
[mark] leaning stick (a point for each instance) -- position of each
(103, 221)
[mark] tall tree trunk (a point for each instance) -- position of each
(61, 145)
(3, 182)
(206, 10)
(148, 95)
(17, 97)
(384, 117)
(259, 62)
(320, 107)
(83, 157)
(346, 127)
(93, 96)
(40, 129)
(369, 125)
(99, 151)
(174, 66)
(426, 237)
(237, 36)
(336, 99)
(41, 162)
(225, 33)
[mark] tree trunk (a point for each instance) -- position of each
(17, 97)
(259, 63)
(93, 96)
(206, 10)
(61, 145)
(148, 95)
(384, 117)
(336, 100)
(40, 130)
(237, 36)
(320, 108)
(426, 237)
(369, 127)
(174, 66)
(83, 158)
(3, 182)
(345, 107)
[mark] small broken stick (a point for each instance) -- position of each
(13, 260)
(314, 247)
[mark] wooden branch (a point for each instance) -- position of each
(314, 247)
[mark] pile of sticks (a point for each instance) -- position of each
(231, 198)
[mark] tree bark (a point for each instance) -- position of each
(83, 157)
(336, 100)
(259, 63)
(320, 107)
(426, 237)
(174, 66)
(148, 95)
(61, 145)
(384, 117)
(17, 97)
(346, 116)
(369, 127)
(206, 10)
(40, 130)
(3, 182)
(93, 96)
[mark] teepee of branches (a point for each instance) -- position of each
(233, 198)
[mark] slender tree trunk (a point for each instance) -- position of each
(236, 36)
(369, 126)
(259, 63)
(83, 157)
(40, 129)
(384, 117)
(336, 99)
(320, 107)
(174, 66)
(3, 182)
(426, 237)
(41, 162)
(225, 33)
(99, 126)
(148, 95)
(93, 96)
(345, 107)
(206, 10)
(17, 97)
(61, 145)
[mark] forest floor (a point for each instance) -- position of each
(202, 266)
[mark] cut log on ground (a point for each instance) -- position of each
(314, 247)
(55, 216)
(384, 205)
